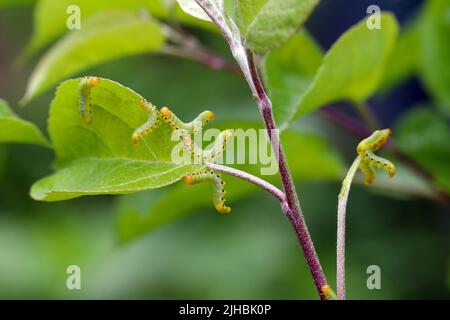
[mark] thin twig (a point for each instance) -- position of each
(250, 178)
(340, 247)
(202, 56)
(295, 213)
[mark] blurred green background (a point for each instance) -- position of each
(250, 254)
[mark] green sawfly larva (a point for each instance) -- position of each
(84, 89)
(369, 160)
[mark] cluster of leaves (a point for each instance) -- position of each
(299, 76)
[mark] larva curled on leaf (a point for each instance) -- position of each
(199, 122)
(84, 90)
(208, 175)
(210, 155)
(219, 146)
(369, 160)
(149, 125)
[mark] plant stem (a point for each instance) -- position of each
(245, 60)
(250, 178)
(202, 56)
(340, 247)
(188, 47)
(295, 213)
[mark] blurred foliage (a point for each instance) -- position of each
(289, 71)
(251, 253)
(352, 68)
(435, 49)
(404, 60)
(47, 30)
(16, 130)
(426, 137)
(103, 37)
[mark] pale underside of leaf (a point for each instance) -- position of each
(107, 176)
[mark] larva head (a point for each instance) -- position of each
(87, 118)
(188, 179)
(135, 138)
(374, 142)
(209, 115)
(143, 103)
(93, 81)
(165, 112)
(222, 208)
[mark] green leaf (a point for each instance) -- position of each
(15, 130)
(266, 24)
(289, 71)
(103, 37)
(405, 58)
(141, 213)
(425, 137)
(50, 16)
(435, 44)
(352, 68)
(100, 158)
